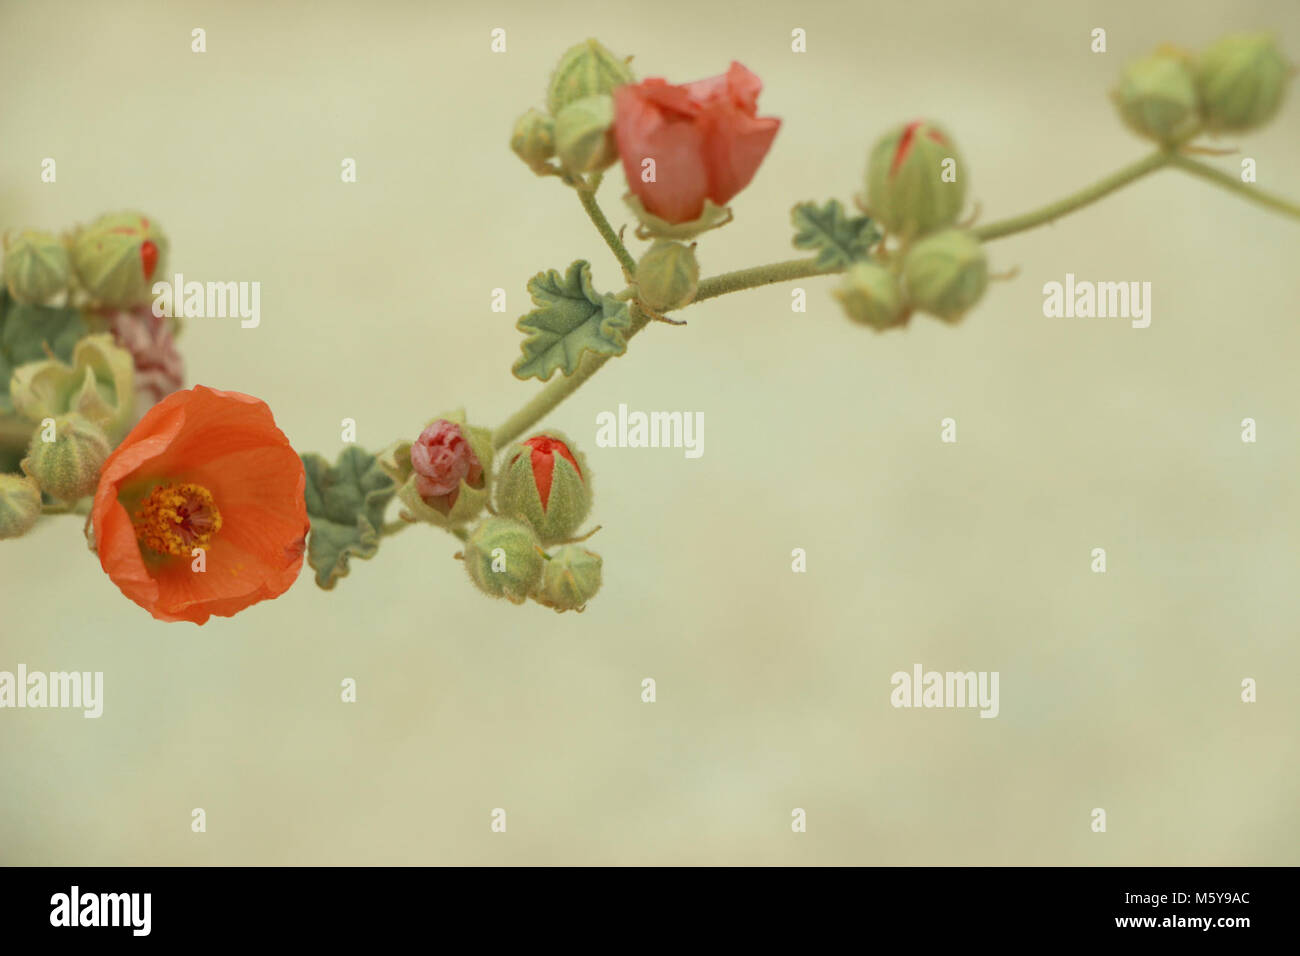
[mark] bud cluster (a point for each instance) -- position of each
(1171, 95)
(577, 126)
(541, 495)
(915, 190)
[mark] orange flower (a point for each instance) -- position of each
(202, 470)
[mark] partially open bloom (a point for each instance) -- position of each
(205, 474)
(705, 138)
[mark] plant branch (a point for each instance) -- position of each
(1235, 185)
(587, 194)
(1086, 196)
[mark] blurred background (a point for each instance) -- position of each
(1118, 690)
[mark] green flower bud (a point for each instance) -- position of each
(20, 505)
(504, 558)
(1157, 97)
(584, 134)
(116, 257)
(36, 267)
(586, 69)
(543, 481)
(667, 277)
(570, 578)
(871, 295)
(533, 139)
(1241, 80)
(945, 274)
(99, 385)
(67, 466)
(911, 188)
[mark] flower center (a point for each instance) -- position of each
(177, 518)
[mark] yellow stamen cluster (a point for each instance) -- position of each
(176, 518)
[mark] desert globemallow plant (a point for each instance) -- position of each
(198, 504)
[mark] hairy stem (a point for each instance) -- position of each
(759, 276)
(587, 194)
(1234, 185)
(1086, 196)
(556, 391)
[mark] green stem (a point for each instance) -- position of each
(587, 194)
(556, 391)
(1235, 185)
(1090, 194)
(760, 276)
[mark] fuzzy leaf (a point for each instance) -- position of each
(840, 240)
(571, 319)
(346, 505)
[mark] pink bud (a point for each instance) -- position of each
(442, 459)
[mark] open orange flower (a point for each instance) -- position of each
(202, 470)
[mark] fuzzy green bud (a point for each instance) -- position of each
(533, 139)
(570, 578)
(946, 274)
(504, 558)
(871, 295)
(36, 267)
(20, 505)
(916, 180)
(1241, 80)
(65, 456)
(584, 134)
(586, 69)
(1157, 97)
(668, 275)
(545, 482)
(116, 257)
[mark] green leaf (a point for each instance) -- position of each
(571, 319)
(840, 240)
(26, 330)
(346, 505)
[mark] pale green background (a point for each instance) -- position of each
(1118, 691)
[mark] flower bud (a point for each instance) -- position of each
(36, 267)
(20, 505)
(586, 69)
(533, 139)
(115, 258)
(909, 189)
(99, 385)
(945, 274)
(443, 474)
(68, 466)
(504, 558)
(668, 276)
(542, 481)
(584, 134)
(1157, 97)
(570, 578)
(870, 295)
(1241, 80)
